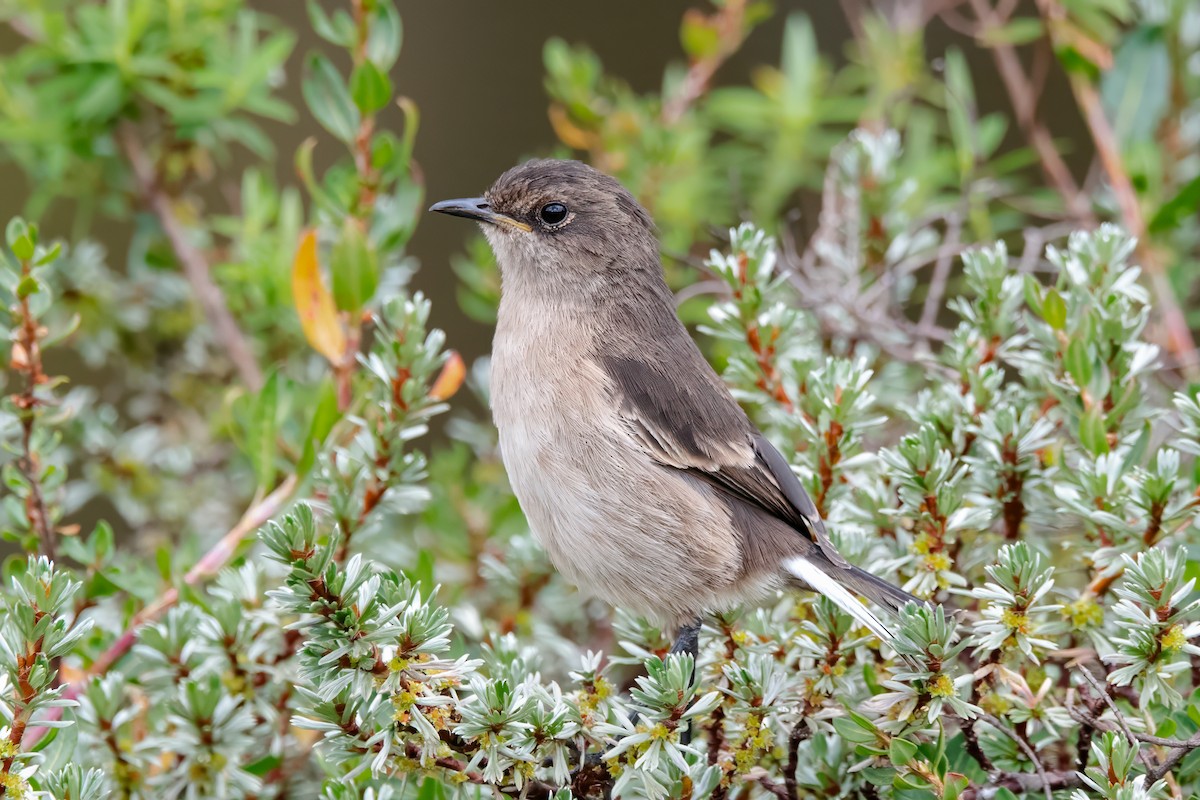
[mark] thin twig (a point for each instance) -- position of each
(1026, 748)
(1112, 705)
(774, 788)
(941, 273)
(1024, 97)
(1177, 754)
(195, 265)
(27, 359)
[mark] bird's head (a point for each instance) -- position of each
(551, 220)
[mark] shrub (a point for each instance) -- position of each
(980, 372)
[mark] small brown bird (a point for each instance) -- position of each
(638, 471)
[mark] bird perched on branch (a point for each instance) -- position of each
(639, 473)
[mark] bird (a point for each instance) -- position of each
(639, 473)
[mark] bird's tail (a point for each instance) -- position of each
(841, 590)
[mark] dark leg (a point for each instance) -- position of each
(688, 641)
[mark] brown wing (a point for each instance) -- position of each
(694, 424)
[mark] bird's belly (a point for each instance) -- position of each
(613, 522)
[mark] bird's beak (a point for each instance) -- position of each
(477, 208)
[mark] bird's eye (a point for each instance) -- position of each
(553, 213)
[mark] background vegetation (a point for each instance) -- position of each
(980, 363)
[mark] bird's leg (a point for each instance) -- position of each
(687, 640)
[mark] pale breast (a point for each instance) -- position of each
(612, 521)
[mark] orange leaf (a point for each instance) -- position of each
(449, 379)
(314, 303)
(568, 132)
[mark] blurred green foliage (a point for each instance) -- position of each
(984, 380)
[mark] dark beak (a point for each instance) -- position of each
(477, 208)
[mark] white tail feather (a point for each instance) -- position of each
(823, 583)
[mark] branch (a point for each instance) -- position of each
(1179, 335)
(1046, 783)
(799, 733)
(1024, 97)
(1021, 782)
(368, 177)
(207, 567)
(27, 359)
(195, 266)
(1180, 749)
(534, 790)
(774, 788)
(1154, 772)
(941, 273)
(729, 22)
(1103, 693)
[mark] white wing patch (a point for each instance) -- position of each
(823, 583)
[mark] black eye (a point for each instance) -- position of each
(553, 213)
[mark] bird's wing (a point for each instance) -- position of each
(699, 427)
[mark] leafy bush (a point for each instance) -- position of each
(981, 371)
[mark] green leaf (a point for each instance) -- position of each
(29, 285)
(699, 37)
(162, 559)
(1135, 92)
(50, 255)
(879, 776)
(901, 751)
(325, 416)
(354, 267)
(1054, 310)
(1033, 296)
(852, 730)
(261, 438)
(1092, 432)
(103, 98)
(304, 168)
(386, 35)
(370, 88)
(1078, 362)
(325, 93)
(954, 787)
(1019, 31)
(22, 238)
(422, 574)
(1137, 453)
(338, 29)
(431, 789)
(59, 750)
(263, 765)
(1184, 205)
(17, 229)
(960, 110)
(103, 541)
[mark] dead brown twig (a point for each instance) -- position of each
(1024, 94)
